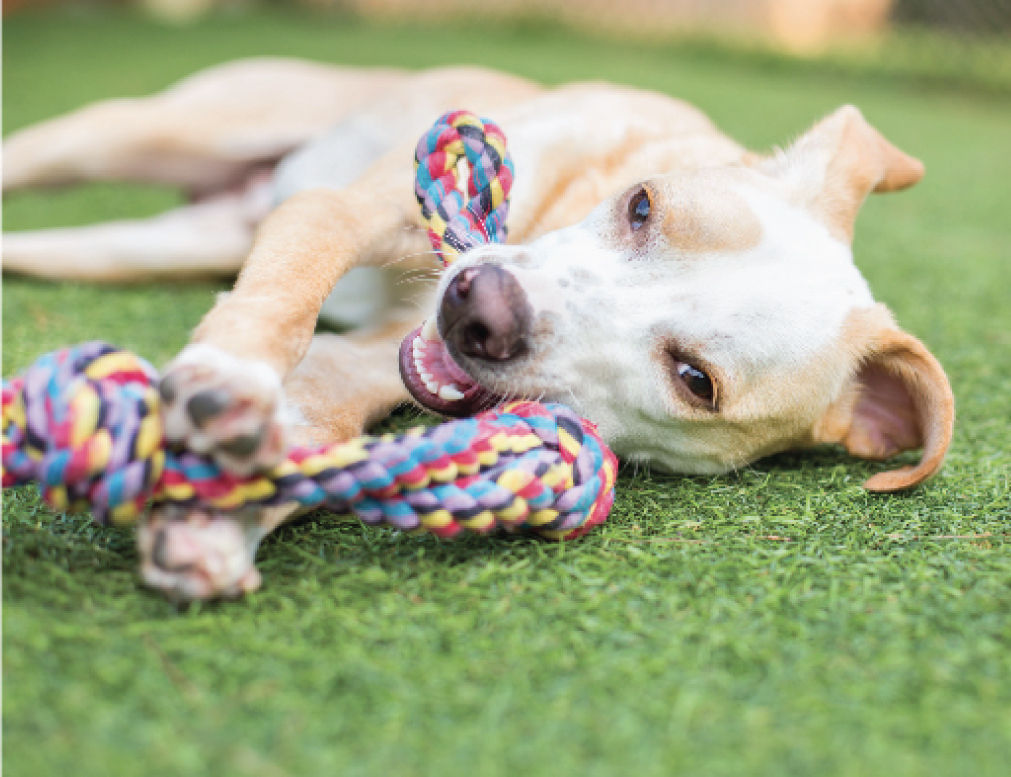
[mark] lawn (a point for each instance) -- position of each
(778, 621)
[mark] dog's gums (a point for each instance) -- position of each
(435, 380)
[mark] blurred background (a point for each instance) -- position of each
(948, 40)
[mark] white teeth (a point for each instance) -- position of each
(450, 393)
(418, 350)
(429, 333)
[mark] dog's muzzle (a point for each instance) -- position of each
(483, 322)
(484, 314)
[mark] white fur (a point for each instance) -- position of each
(752, 315)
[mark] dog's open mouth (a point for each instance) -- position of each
(435, 380)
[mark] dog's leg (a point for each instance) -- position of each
(203, 134)
(346, 382)
(223, 392)
(343, 383)
(205, 239)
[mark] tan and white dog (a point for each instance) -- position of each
(698, 301)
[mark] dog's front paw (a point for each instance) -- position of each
(193, 553)
(225, 407)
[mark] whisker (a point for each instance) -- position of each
(411, 280)
(403, 258)
(421, 273)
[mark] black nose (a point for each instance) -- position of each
(484, 314)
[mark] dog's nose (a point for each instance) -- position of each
(485, 314)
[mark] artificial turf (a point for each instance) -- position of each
(776, 621)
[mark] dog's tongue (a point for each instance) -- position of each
(435, 380)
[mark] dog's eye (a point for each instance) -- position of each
(697, 382)
(638, 209)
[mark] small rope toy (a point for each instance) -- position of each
(84, 422)
(454, 223)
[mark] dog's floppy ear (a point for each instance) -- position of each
(898, 399)
(834, 166)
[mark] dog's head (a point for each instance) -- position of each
(703, 319)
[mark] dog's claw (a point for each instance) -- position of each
(167, 389)
(244, 445)
(205, 405)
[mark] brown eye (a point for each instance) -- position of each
(638, 209)
(697, 382)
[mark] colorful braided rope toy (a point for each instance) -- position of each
(455, 223)
(84, 422)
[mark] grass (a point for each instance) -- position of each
(778, 621)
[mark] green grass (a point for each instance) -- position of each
(779, 621)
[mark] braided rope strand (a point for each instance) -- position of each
(455, 223)
(84, 424)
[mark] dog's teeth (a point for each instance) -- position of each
(430, 384)
(429, 330)
(418, 347)
(450, 393)
(426, 376)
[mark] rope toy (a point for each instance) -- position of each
(84, 422)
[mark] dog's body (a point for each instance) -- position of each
(697, 301)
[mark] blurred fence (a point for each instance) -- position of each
(965, 41)
(961, 41)
(958, 39)
(795, 25)
(960, 17)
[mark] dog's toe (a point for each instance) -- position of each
(195, 554)
(226, 407)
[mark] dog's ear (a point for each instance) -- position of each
(834, 166)
(898, 399)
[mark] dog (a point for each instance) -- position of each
(696, 300)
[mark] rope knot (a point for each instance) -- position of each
(85, 423)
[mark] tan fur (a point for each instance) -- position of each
(797, 409)
(872, 335)
(578, 172)
(855, 159)
(212, 125)
(700, 223)
(344, 383)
